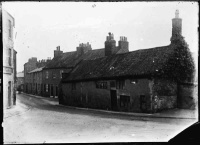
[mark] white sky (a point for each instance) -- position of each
(41, 26)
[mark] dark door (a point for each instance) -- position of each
(124, 102)
(51, 90)
(36, 91)
(56, 90)
(113, 95)
(143, 103)
(9, 94)
(41, 86)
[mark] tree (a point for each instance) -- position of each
(180, 66)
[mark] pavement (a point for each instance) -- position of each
(20, 108)
(17, 109)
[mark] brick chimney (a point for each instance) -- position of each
(57, 52)
(48, 59)
(123, 44)
(110, 44)
(83, 48)
(176, 26)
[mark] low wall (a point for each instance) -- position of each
(164, 94)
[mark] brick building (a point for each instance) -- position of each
(36, 81)
(9, 60)
(33, 75)
(20, 80)
(29, 66)
(147, 80)
(65, 62)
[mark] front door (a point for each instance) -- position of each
(113, 95)
(36, 91)
(51, 90)
(142, 103)
(56, 90)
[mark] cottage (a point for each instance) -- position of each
(146, 80)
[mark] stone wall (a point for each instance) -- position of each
(188, 96)
(164, 94)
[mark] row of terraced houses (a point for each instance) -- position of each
(113, 78)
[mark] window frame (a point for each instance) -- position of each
(46, 88)
(101, 84)
(120, 84)
(61, 72)
(53, 75)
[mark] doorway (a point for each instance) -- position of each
(56, 90)
(124, 102)
(51, 90)
(113, 94)
(143, 103)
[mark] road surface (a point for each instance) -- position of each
(49, 122)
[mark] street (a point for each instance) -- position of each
(48, 122)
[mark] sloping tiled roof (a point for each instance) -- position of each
(70, 59)
(140, 62)
(36, 70)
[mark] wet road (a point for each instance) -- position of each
(48, 122)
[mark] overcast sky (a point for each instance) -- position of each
(42, 26)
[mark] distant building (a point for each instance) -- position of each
(9, 60)
(147, 80)
(36, 81)
(20, 81)
(33, 75)
(29, 66)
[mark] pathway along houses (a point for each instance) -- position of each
(147, 80)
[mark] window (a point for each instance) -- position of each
(120, 84)
(53, 75)
(9, 29)
(112, 84)
(9, 56)
(47, 74)
(61, 71)
(101, 85)
(46, 87)
(73, 86)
